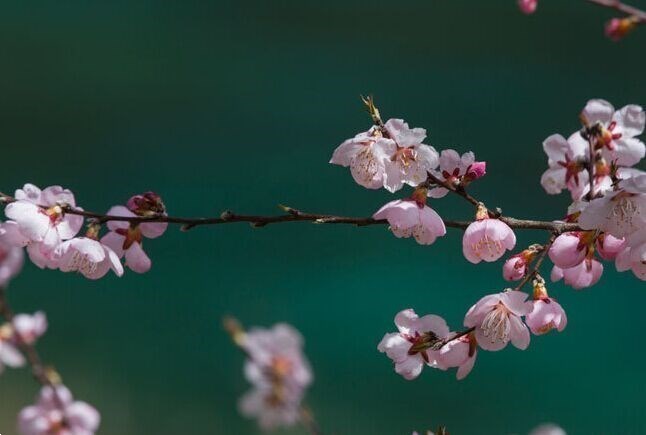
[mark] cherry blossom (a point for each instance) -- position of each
(29, 327)
(546, 315)
(487, 239)
(457, 170)
(87, 256)
(24, 328)
(633, 256)
(566, 160)
(620, 212)
(497, 320)
(11, 259)
(126, 239)
(42, 222)
(516, 266)
(410, 348)
(411, 218)
(585, 274)
(616, 131)
(270, 408)
(10, 356)
(56, 412)
(460, 353)
(527, 6)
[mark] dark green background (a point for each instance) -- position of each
(239, 105)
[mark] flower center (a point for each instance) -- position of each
(54, 213)
(487, 245)
(624, 209)
(82, 263)
(496, 325)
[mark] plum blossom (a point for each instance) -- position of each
(527, 6)
(516, 266)
(497, 320)
(585, 274)
(616, 131)
(365, 154)
(42, 222)
(411, 347)
(566, 161)
(87, 256)
(126, 239)
(56, 412)
(633, 256)
(411, 218)
(546, 315)
(457, 170)
(620, 212)
(487, 239)
(408, 160)
(23, 328)
(461, 353)
(11, 259)
(279, 373)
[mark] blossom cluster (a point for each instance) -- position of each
(47, 223)
(279, 374)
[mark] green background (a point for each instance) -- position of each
(239, 105)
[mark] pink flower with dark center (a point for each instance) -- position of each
(87, 256)
(487, 239)
(616, 132)
(566, 161)
(457, 170)
(527, 6)
(411, 218)
(411, 347)
(126, 239)
(497, 320)
(56, 412)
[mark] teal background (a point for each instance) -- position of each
(239, 105)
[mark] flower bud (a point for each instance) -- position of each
(527, 6)
(146, 204)
(475, 171)
(617, 28)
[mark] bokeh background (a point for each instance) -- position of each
(238, 105)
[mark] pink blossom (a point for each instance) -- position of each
(566, 160)
(126, 239)
(527, 6)
(618, 213)
(617, 28)
(408, 218)
(516, 266)
(23, 328)
(56, 412)
(585, 274)
(365, 155)
(411, 160)
(547, 314)
(146, 204)
(270, 408)
(633, 255)
(497, 320)
(29, 327)
(457, 170)
(87, 256)
(11, 259)
(569, 249)
(410, 348)
(608, 246)
(487, 239)
(10, 356)
(618, 130)
(460, 353)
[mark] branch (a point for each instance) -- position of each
(617, 5)
(537, 265)
(294, 215)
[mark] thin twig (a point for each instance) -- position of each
(537, 265)
(619, 6)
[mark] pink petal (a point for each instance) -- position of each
(136, 259)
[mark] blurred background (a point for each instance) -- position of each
(238, 105)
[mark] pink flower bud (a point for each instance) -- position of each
(146, 204)
(617, 28)
(476, 170)
(527, 6)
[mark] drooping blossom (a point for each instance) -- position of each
(11, 259)
(409, 161)
(414, 218)
(617, 28)
(616, 132)
(457, 171)
(566, 161)
(24, 328)
(619, 213)
(365, 154)
(585, 274)
(126, 239)
(497, 320)
(279, 373)
(546, 314)
(487, 238)
(516, 266)
(527, 6)
(411, 347)
(633, 255)
(547, 429)
(56, 412)
(87, 256)
(460, 353)
(42, 221)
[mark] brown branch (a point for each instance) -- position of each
(539, 260)
(619, 6)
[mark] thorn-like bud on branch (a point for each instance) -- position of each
(617, 28)
(540, 291)
(372, 109)
(419, 195)
(289, 210)
(226, 215)
(234, 329)
(481, 212)
(52, 375)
